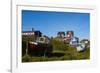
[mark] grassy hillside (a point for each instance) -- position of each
(60, 52)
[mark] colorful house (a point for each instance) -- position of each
(69, 34)
(32, 33)
(74, 41)
(43, 39)
(81, 47)
(61, 34)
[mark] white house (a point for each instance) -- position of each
(27, 33)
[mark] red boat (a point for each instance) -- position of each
(39, 48)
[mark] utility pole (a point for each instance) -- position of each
(26, 47)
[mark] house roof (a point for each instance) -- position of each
(27, 31)
(37, 31)
(61, 33)
(72, 32)
(31, 31)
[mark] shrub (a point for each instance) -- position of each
(26, 58)
(58, 45)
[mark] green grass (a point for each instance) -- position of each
(69, 54)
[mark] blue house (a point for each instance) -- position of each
(74, 41)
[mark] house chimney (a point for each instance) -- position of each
(32, 29)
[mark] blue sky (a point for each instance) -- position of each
(50, 23)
